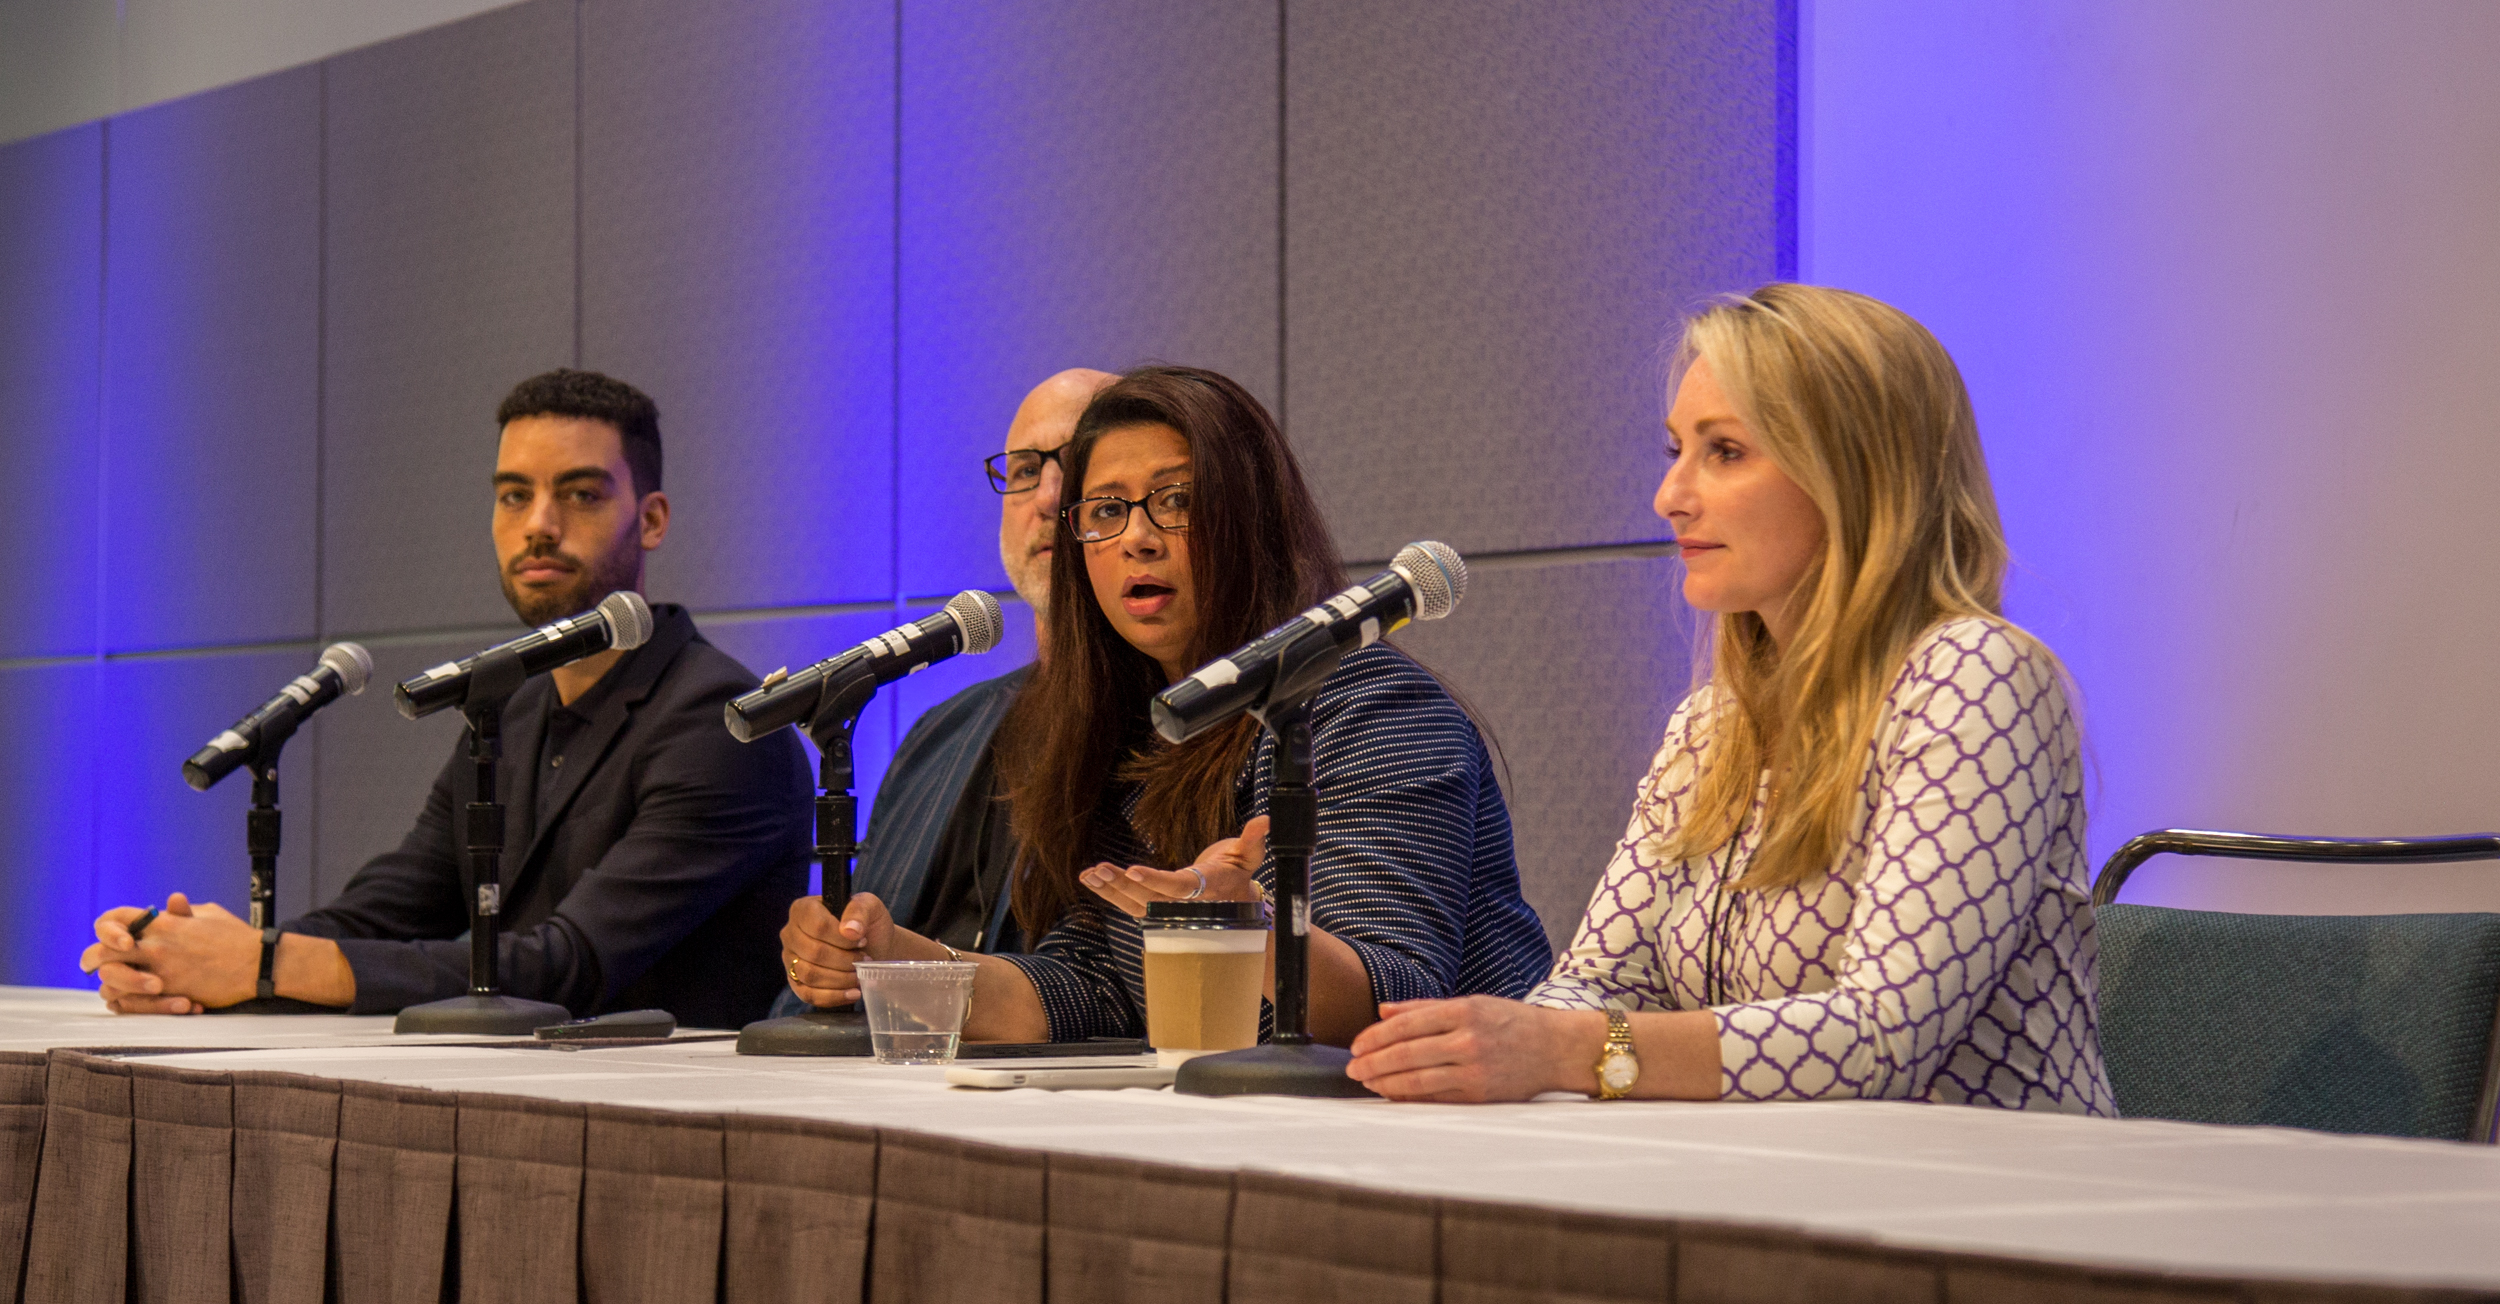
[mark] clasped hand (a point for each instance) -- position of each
(191, 958)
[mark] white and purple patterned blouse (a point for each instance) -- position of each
(1948, 957)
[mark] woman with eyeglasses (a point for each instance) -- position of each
(1856, 868)
(1187, 532)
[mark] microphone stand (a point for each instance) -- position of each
(842, 1030)
(1290, 1064)
(486, 1010)
(261, 829)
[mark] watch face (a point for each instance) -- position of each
(1618, 1071)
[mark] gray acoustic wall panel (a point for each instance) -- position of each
(449, 247)
(51, 268)
(48, 807)
(1494, 214)
(738, 265)
(1573, 669)
(376, 767)
(158, 835)
(1082, 185)
(212, 322)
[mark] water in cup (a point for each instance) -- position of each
(912, 1047)
(915, 1008)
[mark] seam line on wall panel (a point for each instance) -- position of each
(577, 182)
(482, 635)
(103, 369)
(321, 437)
(1528, 558)
(103, 281)
(1284, 117)
(487, 635)
(321, 337)
(894, 431)
(894, 360)
(1786, 174)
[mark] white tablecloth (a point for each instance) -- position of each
(2149, 1195)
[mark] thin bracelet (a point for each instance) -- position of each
(958, 957)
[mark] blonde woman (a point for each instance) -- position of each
(1856, 868)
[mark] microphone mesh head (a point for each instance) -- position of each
(1436, 572)
(353, 664)
(629, 619)
(977, 614)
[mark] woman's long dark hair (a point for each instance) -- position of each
(1259, 552)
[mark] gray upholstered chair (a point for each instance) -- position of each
(2385, 1024)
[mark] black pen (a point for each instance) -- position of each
(137, 926)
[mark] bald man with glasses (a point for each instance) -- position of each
(938, 850)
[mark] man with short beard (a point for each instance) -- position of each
(648, 855)
(938, 848)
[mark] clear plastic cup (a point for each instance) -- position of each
(915, 1008)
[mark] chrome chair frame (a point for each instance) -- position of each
(2346, 851)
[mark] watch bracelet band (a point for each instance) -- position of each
(1618, 1038)
(268, 988)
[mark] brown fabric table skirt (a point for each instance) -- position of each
(129, 1180)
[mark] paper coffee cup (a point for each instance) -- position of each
(1206, 966)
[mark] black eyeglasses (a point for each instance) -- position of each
(1097, 519)
(1019, 470)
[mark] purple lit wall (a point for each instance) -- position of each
(251, 341)
(2224, 280)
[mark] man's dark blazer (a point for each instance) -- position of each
(918, 796)
(661, 879)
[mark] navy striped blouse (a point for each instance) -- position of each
(1414, 868)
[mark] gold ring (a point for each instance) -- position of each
(793, 966)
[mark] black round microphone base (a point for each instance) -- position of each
(1272, 1070)
(497, 1015)
(817, 1032)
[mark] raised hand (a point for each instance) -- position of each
(1225, 871)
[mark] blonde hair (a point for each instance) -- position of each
(1865, 411)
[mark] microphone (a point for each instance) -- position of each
(971, 622)
(1423, 582)
(343, 668)
(622, 620)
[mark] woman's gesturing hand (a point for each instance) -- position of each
(818, 950)
(1227, 869)
(1477, 1048)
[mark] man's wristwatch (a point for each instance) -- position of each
(1617, 1067)
(268, 964)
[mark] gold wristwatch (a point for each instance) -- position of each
(1617, 1067)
